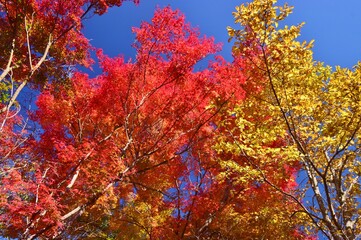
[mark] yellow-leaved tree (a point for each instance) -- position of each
(305, 118)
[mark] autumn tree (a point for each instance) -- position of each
(312, 109)
(112, 146)
(40, 41)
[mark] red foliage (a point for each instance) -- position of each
(27, 27)
(126, 127)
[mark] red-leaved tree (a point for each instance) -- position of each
(120, 138)
(40, 42)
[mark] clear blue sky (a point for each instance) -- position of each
(335, 25)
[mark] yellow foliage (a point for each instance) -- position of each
(314, 109)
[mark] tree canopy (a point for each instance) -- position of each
(262, 147)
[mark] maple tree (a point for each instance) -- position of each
(40, 42)
(106, 139)
(313, 110)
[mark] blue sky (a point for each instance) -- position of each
(335, 25)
